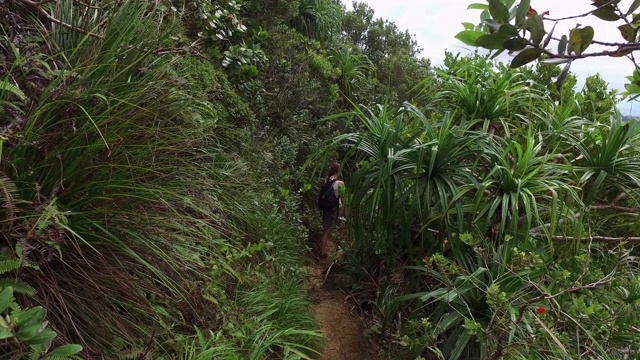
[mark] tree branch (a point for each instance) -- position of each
(583, 15)
(622, 50)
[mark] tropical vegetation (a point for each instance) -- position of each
(158, 171)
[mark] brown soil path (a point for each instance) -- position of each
(341, 328)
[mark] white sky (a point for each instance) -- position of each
(435, 23)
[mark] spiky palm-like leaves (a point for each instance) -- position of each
(353, 68)
(521, 187)
(607, 155)
(411, 175)
(493, 100)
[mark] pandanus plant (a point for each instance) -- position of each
(411, 172)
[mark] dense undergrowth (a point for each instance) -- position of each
(137, 214)
(155, 196)
(490, 221)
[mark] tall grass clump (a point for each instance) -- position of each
(122, 189)
(267, 314)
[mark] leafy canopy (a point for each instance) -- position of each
(516, 27)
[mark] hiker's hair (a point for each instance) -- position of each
(334, 168)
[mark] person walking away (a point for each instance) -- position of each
(330, 202)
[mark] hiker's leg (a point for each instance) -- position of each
(328, 221)
(324, 240)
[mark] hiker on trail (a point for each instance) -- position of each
(330, 203)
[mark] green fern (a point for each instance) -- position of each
(19, 286)
(8, 196)
(5, 86)
(9, 265)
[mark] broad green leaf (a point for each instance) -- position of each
(525, 56)
(492, 41)
(521, 14)
(27, 332)
(515, 44)
(549, 36)
(468, 25)
(508, 30)
(65, 350)
(636, 75)
(5, 298)
(563, 76)
(32, 316)
(634, 6)
(492, 24)
(469, 37)
(562, 45)
(580, 39)
(632, 88)
(607, 13)
(556, 61)
(43, 337)
(484, 15)
(499, 11)
(5, 334)
(536, 27)
(628, 32)
(509, 3)
(477, 6)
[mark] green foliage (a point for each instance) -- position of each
(297, 85)
(222, 21)
(541, 78)
(137, 182)
(481, 90)
(595, 100)
(520, 180)
(270, 13)
(153, 207)
(609, 156)
(497, 188)
(517, 27)
(223, 35)
(408, 171)
(353, 67)
(393, 53)
(112, 184)
(217, 104)
(318, 19)
(520, 305)
(267, 314)
(24, 333)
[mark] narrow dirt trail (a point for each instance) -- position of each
(341, 328)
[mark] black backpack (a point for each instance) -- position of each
(327, 199)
